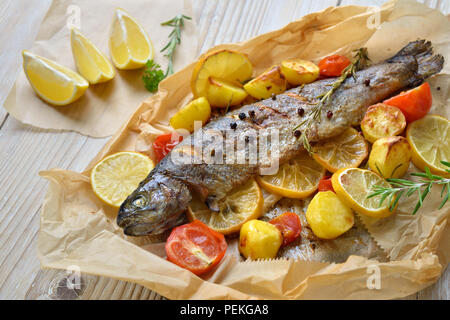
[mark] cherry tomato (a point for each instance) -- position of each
(289, 225)
(414, 103)
(325, 184)
(164, 144)
(195, 247)
(332, 66)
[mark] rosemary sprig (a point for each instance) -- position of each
(403, 187)
(361, 61)
(174, 39)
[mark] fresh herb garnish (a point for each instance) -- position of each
(174, 39)
(403, 187)
(360, 62)
(153, 75)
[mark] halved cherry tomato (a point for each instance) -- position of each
(165, 143)
(290, 226)
(195, 247)
(332, 66)
(414, 103)
(325, 184)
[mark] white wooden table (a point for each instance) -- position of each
(25, 150)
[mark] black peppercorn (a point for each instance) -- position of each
(297, 133)
(247, 139)
(274, 97)
(367, 82)
(301, 112)
(438, 88)
(329, 114)
(233, 125)
(251, 113)
(242, 116)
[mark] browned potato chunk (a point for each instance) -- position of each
(298, 71)
(222, 94)
(390, 157)
(382, 120)
(270, 82)
(328, 216)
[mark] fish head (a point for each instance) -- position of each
(154, 207)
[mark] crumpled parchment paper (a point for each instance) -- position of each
(77, 229)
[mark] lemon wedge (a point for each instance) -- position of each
(354, 185)
(242, 204)
(297, 178)
(129, 44)
(429, 138)
(51, 81)
(91, 63)
(118, 175)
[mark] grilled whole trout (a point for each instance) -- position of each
(160, 200)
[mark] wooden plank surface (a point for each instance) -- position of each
(26, 150)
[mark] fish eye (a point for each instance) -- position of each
(139, 201)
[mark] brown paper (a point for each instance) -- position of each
(104, 107)
(77, 229)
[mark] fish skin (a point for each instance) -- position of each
(163, 208)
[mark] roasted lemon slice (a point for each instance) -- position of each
(224, 70)
(244, 203)
(118, 175)
(52, 82)
(346, 150)
(429, 138)
(91, 63)
(129, 44)
(297, 178)
(354, 185)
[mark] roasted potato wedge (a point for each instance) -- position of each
(259, 240)
(272, 81)
(196, 110)
(382, 120)
(298, 71)
(225, 65)
(390, 157)
(222, 94)
(328, 216)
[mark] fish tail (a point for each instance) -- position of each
(429, 65)
(419, 55)
(415, 49)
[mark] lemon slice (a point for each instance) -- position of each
(129, 44)
(244, 203)
(223, 65)
(297, 178)
(346, 150)
(118, 175)
(429, 138)
(354, 185)
(91, 63)
(52, 82)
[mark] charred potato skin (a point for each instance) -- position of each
(390, 157)
(382, 120)
(270, 82)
